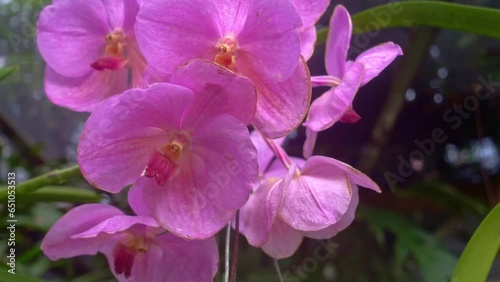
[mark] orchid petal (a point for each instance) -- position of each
(122, 13)
(218, 89)
(153, 75)
(224, 162)
(283, 241)
(307, 42)
(71, 35)
(83, 93)
(355, 176)
(181, 208)
(58, 243)
(184, 260)
(115, 225)
(377, 58)
(310, 10)
(120, 136)
(331, 106)
(342, 224)
(136, 202)
(281, 107)
(269, 40)
(170, 34)
(337, 43)
(258, 214)
(317, 198)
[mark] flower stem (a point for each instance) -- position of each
(225, 277)
(279, 152)
(62, 194)
(234, 262)
(55, 177)
(277, 267)
(325, 80)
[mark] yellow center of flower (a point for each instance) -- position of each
(115, 43)
(226, 52)
(173, 150)
(114, 54)
(164, 164)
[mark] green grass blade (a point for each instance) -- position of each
(466, 18)
(17, 277)
(5, 72)
(476, 260)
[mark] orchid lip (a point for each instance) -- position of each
(164, 164)
(114, 55)
(126, 251)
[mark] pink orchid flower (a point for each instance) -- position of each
(136, 247)
(263, 228)
(89, 48)
(344, 77)
(316, 198)
(258, 39)
(191, 145)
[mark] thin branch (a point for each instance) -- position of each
(61, 194)
(226, 263)
(234, 262)
(19, 139)
(278, 152)
(55, 177)
(277, 267)
(490, 192)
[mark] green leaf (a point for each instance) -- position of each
(483, 21)
(433, 260)
(447, 196)
(9, 277)
(5, 72)
(96, 276)
(436, 264)
(476, 260)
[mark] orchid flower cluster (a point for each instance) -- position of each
(172, 87)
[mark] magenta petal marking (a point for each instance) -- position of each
(110, 63)
(124, 259)
(161, 168)
(350, 116)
